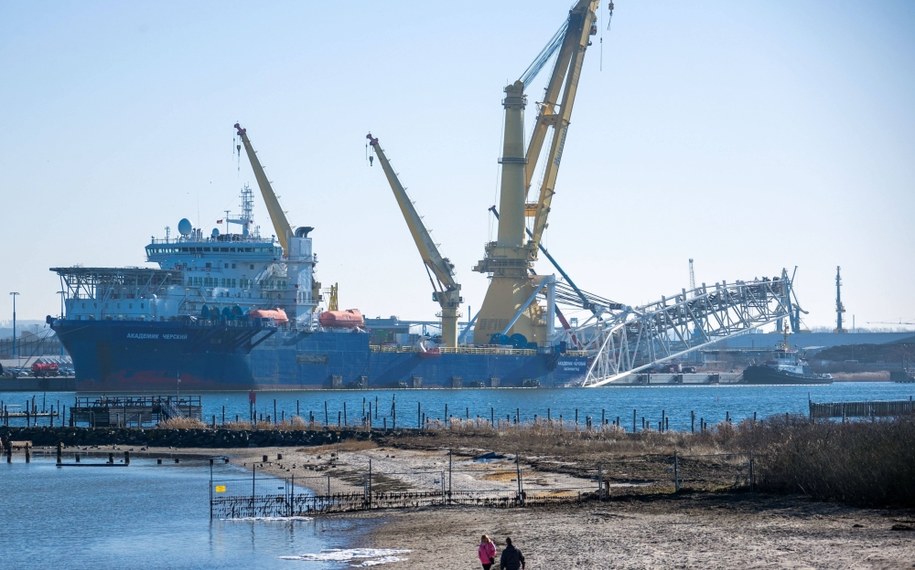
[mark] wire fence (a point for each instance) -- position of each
(312, 496)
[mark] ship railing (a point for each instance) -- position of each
(494, 349)
(486, 349)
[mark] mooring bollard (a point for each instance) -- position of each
(126, 458)
(60, 451)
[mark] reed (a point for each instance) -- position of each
(860, 463)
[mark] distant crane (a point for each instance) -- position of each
(840, 308)
(692, 276)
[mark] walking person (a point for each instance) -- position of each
(486, 552)
(511, 558)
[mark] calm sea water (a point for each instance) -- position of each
(157, 516)
(146, 516)
(406, 408)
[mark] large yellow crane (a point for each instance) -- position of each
(296, 245)
(509, 259)
(447, 291)
(280, 223)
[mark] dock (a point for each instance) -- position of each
(881, 409)
(124, 411)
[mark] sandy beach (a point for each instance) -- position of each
(687, 530)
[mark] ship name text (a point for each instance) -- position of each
(156, 336)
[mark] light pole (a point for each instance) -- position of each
(14, 294)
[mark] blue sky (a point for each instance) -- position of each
(749, 136)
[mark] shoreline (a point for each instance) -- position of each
(690, 530)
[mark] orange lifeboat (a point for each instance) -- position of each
(277, 315)
(348, 319)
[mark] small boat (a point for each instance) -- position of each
(786, 367)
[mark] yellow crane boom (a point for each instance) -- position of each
(277, 215)
(447, 291)
(556, 113)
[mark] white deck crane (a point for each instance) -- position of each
(447, 291)
(506, 306)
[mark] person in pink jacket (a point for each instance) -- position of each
(486, 552)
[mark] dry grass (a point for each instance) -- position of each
(182, 423)
(862, 463)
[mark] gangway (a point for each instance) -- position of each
(670, 328)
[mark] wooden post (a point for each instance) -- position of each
(750, 465)
(676, 473)
(600, 481)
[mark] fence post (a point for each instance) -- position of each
(600, 481)
(369, 488)
(752, 481)
(518, 472)
(676, 473)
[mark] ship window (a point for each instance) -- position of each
(252, 266)
(225, 265)
(233, 266)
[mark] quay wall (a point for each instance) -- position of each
(184, 438)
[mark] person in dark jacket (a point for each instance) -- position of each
(511, 558)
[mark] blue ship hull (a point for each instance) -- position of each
(164, 356)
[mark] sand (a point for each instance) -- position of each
(692, 530)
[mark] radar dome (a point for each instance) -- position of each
(215, 233)
(185, 227)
